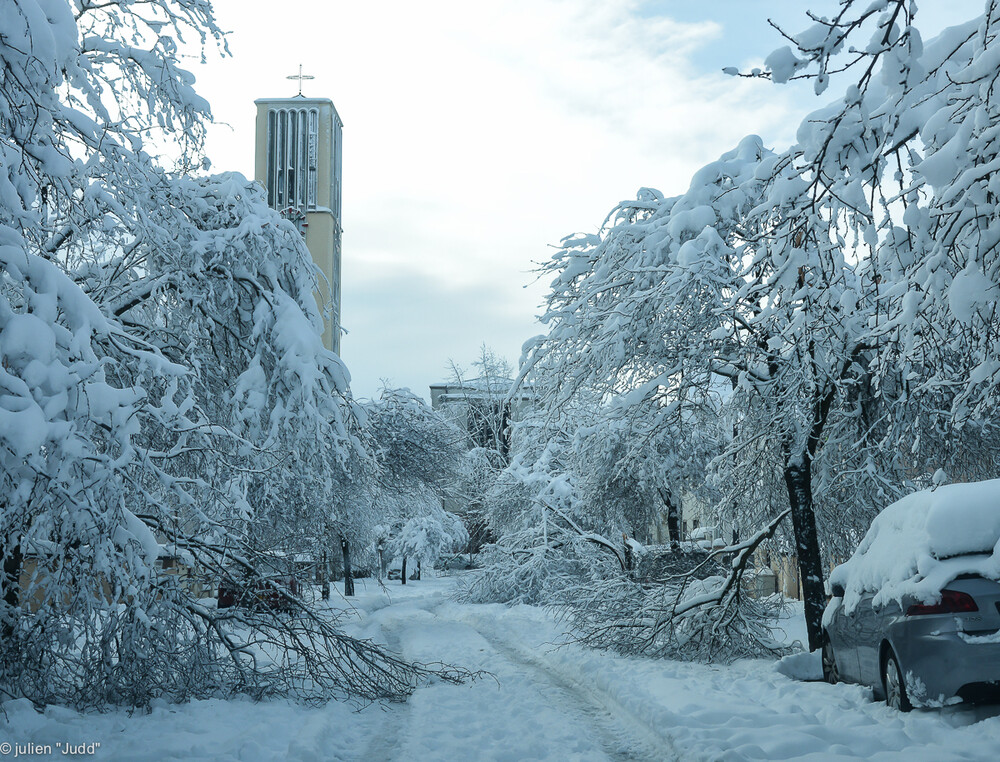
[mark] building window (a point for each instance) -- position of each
(292, 158)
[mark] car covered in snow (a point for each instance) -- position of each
(915, 612)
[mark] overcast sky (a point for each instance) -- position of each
(479, 133)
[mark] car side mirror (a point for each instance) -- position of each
(836, 590)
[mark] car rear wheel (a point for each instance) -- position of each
(830, 672)
(895, 686)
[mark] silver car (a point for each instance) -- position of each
(915, 653)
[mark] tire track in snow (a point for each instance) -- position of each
(624, 736)
(386, 746)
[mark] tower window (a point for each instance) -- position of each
(292, 139)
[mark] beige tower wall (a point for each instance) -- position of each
(323, 229)
(321, 237)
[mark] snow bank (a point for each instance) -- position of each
(919, 544)
(805, 666)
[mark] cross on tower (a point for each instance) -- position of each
(300, 76)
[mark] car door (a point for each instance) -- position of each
(842, 638)
(869, 631)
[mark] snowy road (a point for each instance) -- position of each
(542, 703)
(528, 709)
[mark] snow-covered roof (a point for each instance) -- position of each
(919, 544)
(491, 385)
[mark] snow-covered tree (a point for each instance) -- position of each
(549, 537)
(427, 536)
(482, 402)
(480, 469)
(679, 292)
(164, 384)
(241, 303)
(412, 442)
(640, 473)
(418, 454)
(910, 150)
(906, 156)
(695, 606)
(838, 288)
(74, 377)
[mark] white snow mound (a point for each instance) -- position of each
(919, 544)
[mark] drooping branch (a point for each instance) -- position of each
(599, 540)
(742, 555)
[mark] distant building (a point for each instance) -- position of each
(299, 160)
(483, 409)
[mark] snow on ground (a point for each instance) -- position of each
(542, 702)
(209, 731)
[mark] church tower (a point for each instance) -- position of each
(299, 161)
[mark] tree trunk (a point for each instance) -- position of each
(417, 575)
(324, 571)
(403, 575)
(798, 480)
(381, 560)
(345, 549)
(10, 584)
(673, 520)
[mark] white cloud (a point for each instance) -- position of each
(476, 135)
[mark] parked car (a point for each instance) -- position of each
(265, 593)
(915, 612)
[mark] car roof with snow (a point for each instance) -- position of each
(919, 544)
